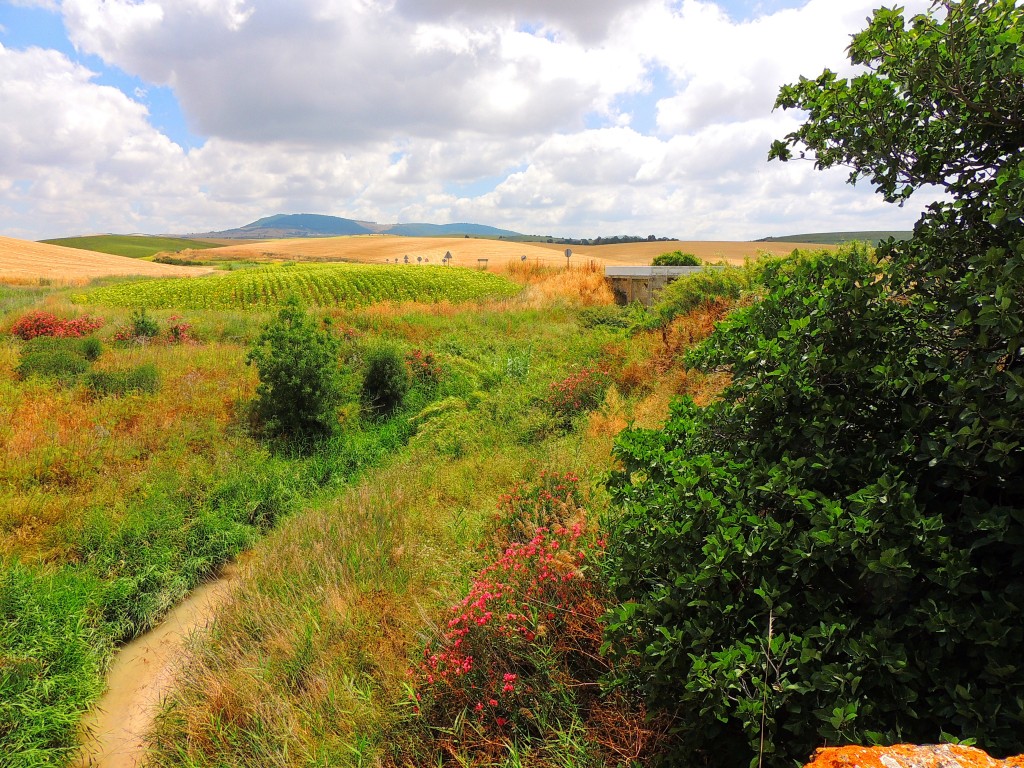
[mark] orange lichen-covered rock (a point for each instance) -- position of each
(909, 756)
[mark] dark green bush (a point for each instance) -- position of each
(92, 348)
(385, 382)
(299, 390)
(608, 316)
(52, 362)
(676, 259)
(61, 358)
(144, 378)
(809, 550)
(690, 291)
(143, 326)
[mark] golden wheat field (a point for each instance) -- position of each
(467, 252)
(25, 261)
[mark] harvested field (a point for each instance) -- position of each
(499, 253)
(24, 261)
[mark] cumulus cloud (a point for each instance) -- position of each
(589, 20)
(340, 73)
(380, 109)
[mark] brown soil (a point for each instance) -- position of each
(23, 261)
(141, 675)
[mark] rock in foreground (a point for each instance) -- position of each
(908, 756)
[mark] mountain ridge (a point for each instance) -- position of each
(291, 225)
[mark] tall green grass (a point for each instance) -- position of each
(312, 665)
(308, 664)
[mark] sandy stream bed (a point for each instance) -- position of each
(141, 675)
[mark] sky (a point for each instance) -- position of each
(574, 118)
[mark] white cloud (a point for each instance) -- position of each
(379, 109)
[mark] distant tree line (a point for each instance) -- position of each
(613, 240)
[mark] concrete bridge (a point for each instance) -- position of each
(643, 283)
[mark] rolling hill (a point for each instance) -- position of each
(835, 238)
(497, 253)
(22, 261)
(133, 246)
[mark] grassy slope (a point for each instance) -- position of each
(835, 238)
(133, 246)
(115, 507)
(308, 664)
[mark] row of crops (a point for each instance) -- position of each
(324, 285)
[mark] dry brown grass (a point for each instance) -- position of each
(582, 285)
(23, 262)
(63, 451)
(499, 253)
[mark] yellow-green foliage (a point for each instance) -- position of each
(322, 285)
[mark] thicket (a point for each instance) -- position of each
(299, 388)
(385, 380)
(40, 323)
(835, 550)
(688, 292)
(676, 259)
(515, 665)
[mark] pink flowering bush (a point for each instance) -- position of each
(38, 323)
(581, 391)
(423, 367)
(526, 637)
(552, 500)
(145, 330)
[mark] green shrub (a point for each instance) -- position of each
(143, 326)
(299, 390)
(676, 259)
(144, 379)
(91, 348)
(60, 363)
(55, 357)
(385, 382)
(87, 347)
(690, 291)
(807, 555)
(607, 316)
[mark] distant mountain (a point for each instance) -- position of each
(286, 225)
(834, 238)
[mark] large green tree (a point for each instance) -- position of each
(299, 388)
(834, 552)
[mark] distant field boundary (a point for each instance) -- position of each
(837, 238)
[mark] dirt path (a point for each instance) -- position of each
(141, 675)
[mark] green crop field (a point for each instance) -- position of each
(133, 246)
(874, 237)
(322, 285)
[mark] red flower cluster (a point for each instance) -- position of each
(39, 323)
(529, 621)
(423, 366)
(551, 500)
(176, 332)
(580, 391)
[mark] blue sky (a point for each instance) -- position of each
(22, 27)
(604, 117)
